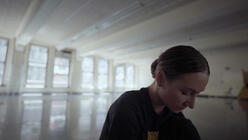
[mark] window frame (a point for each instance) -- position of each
(27, 67)
(69, 72)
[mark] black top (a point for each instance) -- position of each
(132, 117)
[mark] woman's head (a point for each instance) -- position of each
(180, 60)
(181, 73)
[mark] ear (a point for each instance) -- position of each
(160, 78)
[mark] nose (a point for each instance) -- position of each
(191, 102)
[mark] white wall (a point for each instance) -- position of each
(144, 75)
(226, 65)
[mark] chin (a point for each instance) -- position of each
(176, 110)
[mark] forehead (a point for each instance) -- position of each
(196, 81)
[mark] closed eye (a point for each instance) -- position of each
(191, 93)
(184, 93)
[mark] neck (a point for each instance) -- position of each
(157, 103)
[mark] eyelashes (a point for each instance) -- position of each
(184, 93)
(188, 93)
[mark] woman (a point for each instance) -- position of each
(155, 112)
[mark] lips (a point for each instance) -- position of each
(178, 109)
(182, 108)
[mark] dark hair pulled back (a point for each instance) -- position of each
(180, 60)
(153, 68)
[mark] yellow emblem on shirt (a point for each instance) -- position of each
(152, 135)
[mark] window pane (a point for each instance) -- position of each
(103, 66)
(1, 72)
(88, 64)
(36, 75)
(61, 65)
(37, 67)
(3, 50)
(3, 53)
(119, 78)
(88, 73)
(38, 54)
(88, 80)
(60, 80)
(61, 72)
(102, 81)
(130, 76)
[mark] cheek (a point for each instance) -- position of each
(177, 98)
(164, 95)
(171, 97)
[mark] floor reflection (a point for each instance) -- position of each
(244, 105)
(81, 117)
(86, 114)
(31, 122)
(57, 119)
(2, 115)
(217, 118)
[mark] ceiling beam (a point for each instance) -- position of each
(222, 23)
(188, 34)
(45, 9)
(145, 7)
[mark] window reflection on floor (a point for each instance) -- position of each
(101, 112)
(85, 117)
(31, 124)
(2, 116)
(57, 118)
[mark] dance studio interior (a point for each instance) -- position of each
(64, 62)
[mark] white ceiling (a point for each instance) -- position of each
(125, 29)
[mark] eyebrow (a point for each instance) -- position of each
(193, 91)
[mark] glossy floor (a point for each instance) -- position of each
(80, 117)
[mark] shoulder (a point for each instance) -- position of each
(181, 122)
(187, 129)
(130, 97)
(181, 128)
(130, 102)
(123, 121)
